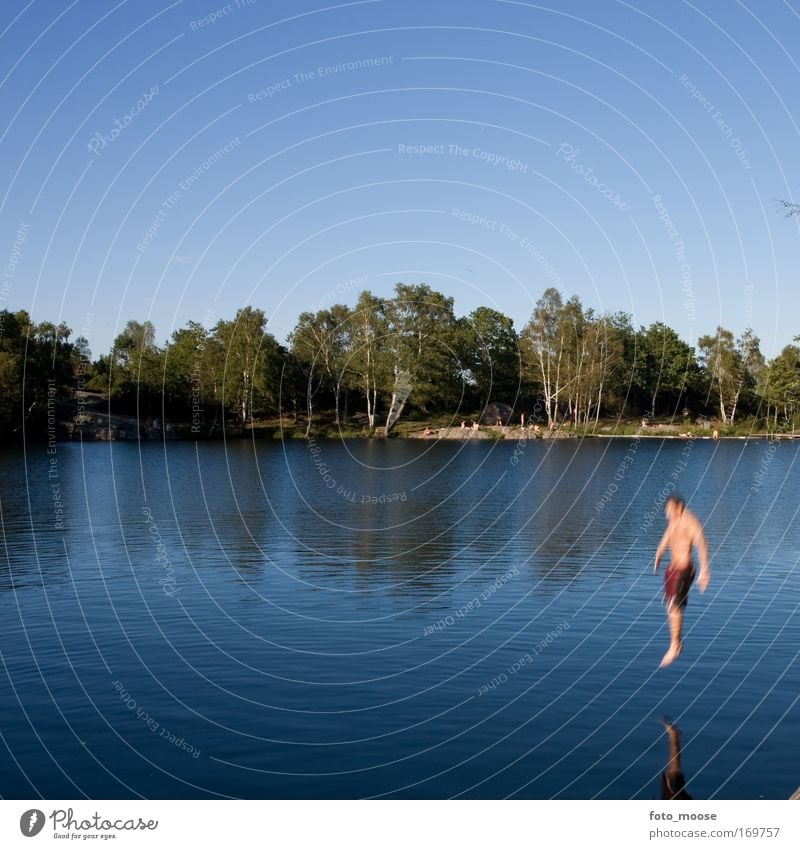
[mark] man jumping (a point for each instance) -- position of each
(682, 533)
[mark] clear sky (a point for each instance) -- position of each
(176, 161)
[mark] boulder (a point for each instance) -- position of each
(494, 411)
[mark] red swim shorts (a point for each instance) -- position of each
(676, 585)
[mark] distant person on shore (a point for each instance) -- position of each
(522, 421)
(715, 434)
(463, 425)
(475, 426)
(673, 782)
(682, 534)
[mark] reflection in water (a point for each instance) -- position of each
(673, 781)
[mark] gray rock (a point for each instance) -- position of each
(494, 411)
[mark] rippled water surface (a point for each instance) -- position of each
(397, 618)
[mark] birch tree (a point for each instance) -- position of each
(368, 362)
(420, 340)
(723, 366)
(543, 339)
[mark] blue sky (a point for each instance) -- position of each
(629, 153)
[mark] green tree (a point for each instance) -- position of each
(320, 341)
(604, 347)
(732, 367)
(723, 366)
(289, 376)
(421, 341)
(184, 377)
(665, 366)
(368, 363)
(621, 349)
(489, 353)
(752, 362)
(576, 355)
(36, 368)
(247, 348)
(10, 392)
(543, 348)
(136, 369)
(779, 387)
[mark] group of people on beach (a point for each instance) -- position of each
(532, 426)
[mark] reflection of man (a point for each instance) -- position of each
(673, 783)
(682, 533)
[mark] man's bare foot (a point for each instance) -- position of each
(671, 653)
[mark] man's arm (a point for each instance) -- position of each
(662, 547)
(702, 548)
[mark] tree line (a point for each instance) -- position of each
(384, 358)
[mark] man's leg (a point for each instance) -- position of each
(675, 620)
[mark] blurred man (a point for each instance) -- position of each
(682, 534)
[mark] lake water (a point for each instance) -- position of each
(399, 618)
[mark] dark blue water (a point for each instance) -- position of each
(394, 618)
